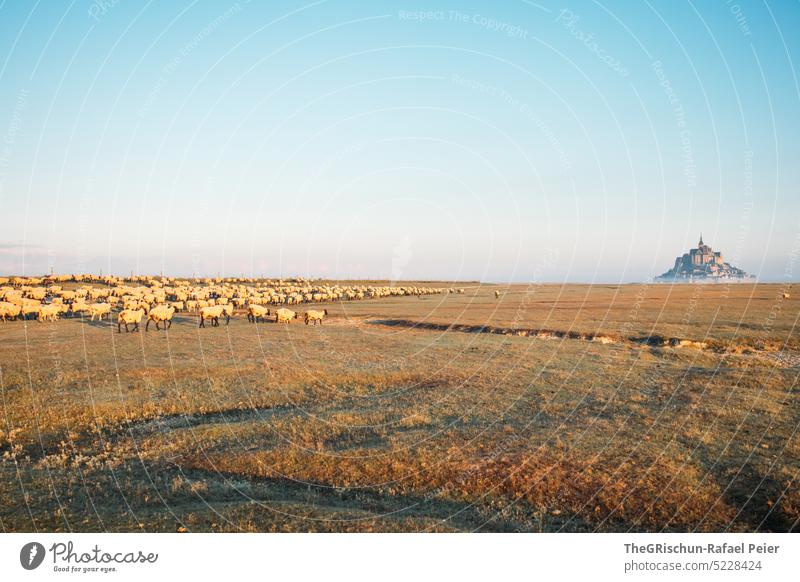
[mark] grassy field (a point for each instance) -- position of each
(550, 408)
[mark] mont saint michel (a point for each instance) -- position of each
(703, 263)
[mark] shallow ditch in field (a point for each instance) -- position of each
(650, 341)
(777, 355)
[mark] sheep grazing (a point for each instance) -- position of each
(30, 307)
(36, 293)
(159, 314)
(315, 316)
(213, 312)
(254, 312)
(78, 306)
(99, 310)
(497, 294)
(129, 317)
(9, 310)
(284, 315)
(49, 312)
(786, 296)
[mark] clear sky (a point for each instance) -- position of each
(501, 141)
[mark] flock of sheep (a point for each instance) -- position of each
(157, 299)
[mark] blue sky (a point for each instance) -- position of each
(570, 141)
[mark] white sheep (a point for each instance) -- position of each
(49, 312)
(284, 315)
(78, 306)
(159, 314)
(10, 310)
(315, 316)
(129, 317)
(213, 312)
(254, 312)
(30, 306)
(99, 310)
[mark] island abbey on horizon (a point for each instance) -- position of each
(703, 264)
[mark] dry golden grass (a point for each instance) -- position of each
(371, 422)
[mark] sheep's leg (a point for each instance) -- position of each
(119, 327)
(147, 326)
(201, 321)
(169, 324)
(227, 319)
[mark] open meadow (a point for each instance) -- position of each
(503, 408)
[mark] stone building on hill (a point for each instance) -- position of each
(702, 263)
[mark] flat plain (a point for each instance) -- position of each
(548, 408)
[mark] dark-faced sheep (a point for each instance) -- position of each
(128, 317)
(213, 312)
(315, 316)
(160, 314)
(256, 312)
(284, 315)
(98, 310)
